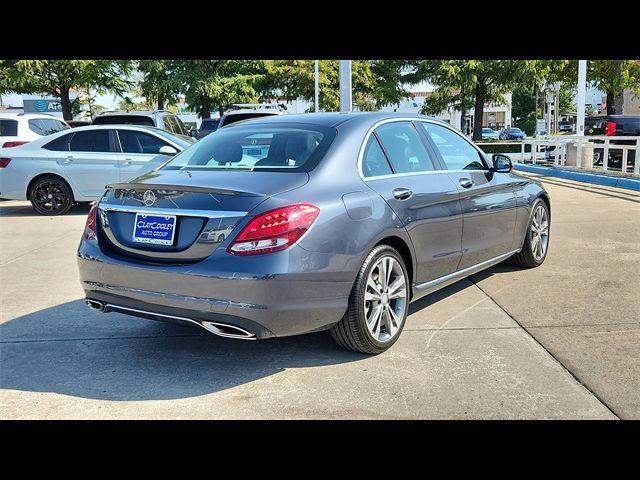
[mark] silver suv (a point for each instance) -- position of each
(158, 118)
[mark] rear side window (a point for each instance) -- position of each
(403, 147)
(124, 119)
(46, 126)
(93, 141)
(457, 153)
(60, 144)
(170, 124)
(374, 162)
(139, 142)
(181, 129)
(209, 124)
(8, 128)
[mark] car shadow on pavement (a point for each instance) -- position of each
(70, 350)
(26, 210)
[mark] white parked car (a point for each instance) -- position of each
(72, 166)
(19, 128)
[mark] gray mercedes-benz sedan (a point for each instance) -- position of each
(299, 223)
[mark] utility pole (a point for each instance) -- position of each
(317, 91)
(345, 85)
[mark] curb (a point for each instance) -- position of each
(609, 181)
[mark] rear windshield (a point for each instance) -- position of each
(238, 117)
(209, 124)
(46, 126)
(259, 147)
(8, 128)
(124, 119)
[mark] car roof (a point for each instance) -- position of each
(28, 115)
(138, 113)
(333, 119)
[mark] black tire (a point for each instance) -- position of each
(526, 257)
(221, 238)
(51, 195)
(352, 332)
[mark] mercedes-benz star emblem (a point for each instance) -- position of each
(149, 198)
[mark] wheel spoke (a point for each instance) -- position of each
(534, 244)
(372, 284)
(397, 284)
(544, 228)
(369, 296)
(375, 320)
(389, 268)
(382, 272)
(392, 326)
(394, 318)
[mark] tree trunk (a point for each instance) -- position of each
(66, 103)
(611, 108)
(160, 102)
(463, 111)
(478, 112)
(205, 111)
(221, 111)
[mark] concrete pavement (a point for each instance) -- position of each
(464, 352)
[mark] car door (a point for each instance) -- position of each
(398, 165)
(488, 200)
(140, 152)
(88, 159)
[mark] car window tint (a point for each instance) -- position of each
(457, 152)
(46, 126)
(403, 147)
(8, 128)
(374, 162)
(140, 142)
(60, 144)
(182, 129)
(94, 141)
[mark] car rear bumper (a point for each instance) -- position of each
(297, 291)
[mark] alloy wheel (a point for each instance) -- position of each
(539, 232)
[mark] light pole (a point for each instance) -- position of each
(345, 85)
(582, 95)
(317, 92)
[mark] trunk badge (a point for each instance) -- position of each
(149, 198)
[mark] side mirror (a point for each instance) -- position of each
(193, 133)
(501, 163)
(167, 150)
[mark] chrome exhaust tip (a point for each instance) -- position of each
(95, 305)
(229, 331)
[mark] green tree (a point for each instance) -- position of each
(613, 77)
(374, 82)
(217, 84)
(58, 77)
(159, 82)
(483, 80)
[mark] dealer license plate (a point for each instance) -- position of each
(155, 229)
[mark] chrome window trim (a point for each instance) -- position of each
(410, 119)
(172, 212)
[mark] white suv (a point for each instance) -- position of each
(20, 128)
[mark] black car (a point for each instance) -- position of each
(613, 126)
(208, 125)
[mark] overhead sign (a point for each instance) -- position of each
(541, 126)
(44, 105)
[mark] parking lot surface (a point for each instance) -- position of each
(561, 341)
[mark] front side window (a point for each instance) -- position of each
(403, 148)
(93, 141)
(457, 153)
(259, 147)
(140, 142)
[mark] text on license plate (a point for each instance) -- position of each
(156, 229)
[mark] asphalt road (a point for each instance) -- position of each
(558, 342)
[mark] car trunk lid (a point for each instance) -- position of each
(181, 217)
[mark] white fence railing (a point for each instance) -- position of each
(563, 143)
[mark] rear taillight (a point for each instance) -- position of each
(610, 129)
(90, 226)
(4, 162)
(274, 230)
(12, 144)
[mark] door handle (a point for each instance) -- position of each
(402, 193)
(126, 162)
(69, 159)
(466, 182)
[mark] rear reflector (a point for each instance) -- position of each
(4, 162)
(274, 230)
(12, 144)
